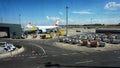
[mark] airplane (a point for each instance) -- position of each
(29, 27)
(45, 28)
(49, 27)
(42, 29)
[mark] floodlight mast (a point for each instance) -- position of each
(67, 21)
(20, 19)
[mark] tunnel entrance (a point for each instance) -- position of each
(4, 32)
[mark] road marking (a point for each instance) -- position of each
(40, 47)
(84, 62)
(54, 55)
(44, 56)
(84, 53)
(119, 57)
(26, 55)
(64, 54)
(40, 54)
(22, 55)
(38, 67)
(32, 54)
(6, 59)
(32, 57)
(35, 54)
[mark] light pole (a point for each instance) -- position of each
(67, 20)
(20, 19)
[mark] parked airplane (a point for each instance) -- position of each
(49, 27)
(31, 29)
(45, 28)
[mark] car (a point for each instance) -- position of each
(78, 31)
(61, 39)
(74, 41)
(9, 47)
(94, 44)
(115, 41)
(67, 40)
(101, 44)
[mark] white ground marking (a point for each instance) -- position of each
(119, 57)
(32, 57)
(38, 67)
(7, 59)
(54, 55)
(23, 55)
(40, 47)
(26, 55)
(65, 54)
(88, 61)
(39, 54)
(44, 56)
(84, 53)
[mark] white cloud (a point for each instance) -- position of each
(112, 6)
(69, 20)
(60, 13)
(62, 21)
(47, 17)
(82, 12)
(52, 18)
(55, 18)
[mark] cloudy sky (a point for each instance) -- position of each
(45, 12)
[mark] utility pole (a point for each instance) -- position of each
(20, 19)
(67, 20)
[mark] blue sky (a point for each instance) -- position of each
(45, 12)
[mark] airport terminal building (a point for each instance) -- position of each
(10, 30)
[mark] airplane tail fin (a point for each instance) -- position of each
(29, 25)
(57, 22)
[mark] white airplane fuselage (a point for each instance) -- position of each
(30, 28)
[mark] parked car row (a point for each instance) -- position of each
(92, 39)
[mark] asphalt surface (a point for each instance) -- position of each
(47, 56)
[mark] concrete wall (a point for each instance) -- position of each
(13, 29)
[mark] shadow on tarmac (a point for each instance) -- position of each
(50, 64)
